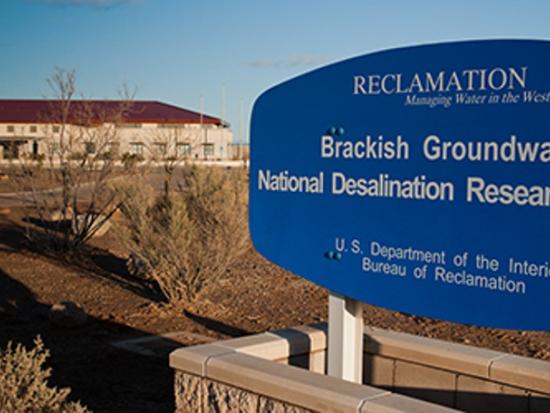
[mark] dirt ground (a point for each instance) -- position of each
(259, 297)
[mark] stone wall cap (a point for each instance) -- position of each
(395, 403)
(194, 359)
(522, 372)
(441, 354)
(283, 382)
(294, 385)
(280, 344)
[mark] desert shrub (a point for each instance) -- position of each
(24, 383)
(185, 240)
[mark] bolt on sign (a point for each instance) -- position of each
(416, 179)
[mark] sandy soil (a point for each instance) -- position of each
(259, 297)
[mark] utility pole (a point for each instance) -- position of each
(202, 131)
(241, 129)
(223, 103)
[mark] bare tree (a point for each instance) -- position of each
(68, 189)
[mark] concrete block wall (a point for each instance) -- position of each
(455, 375)
(254, 374)
(401, 373)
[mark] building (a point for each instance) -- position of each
(144, 129)
(239, 151)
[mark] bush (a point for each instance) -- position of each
(24, 383)
(185, 240)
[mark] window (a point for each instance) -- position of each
(11, 128)
(33, 128)
(208, 149)
(183, 149)
(56, 128)
(136, 148)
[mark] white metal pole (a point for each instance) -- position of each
(203, 137)
(201, 110)
(223, 103)
(241, 122)
(345, 338)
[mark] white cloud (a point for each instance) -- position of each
(294, 60)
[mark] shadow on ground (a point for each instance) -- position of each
(102, 377)
(217, 326)
(92, 261)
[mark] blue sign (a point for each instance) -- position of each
(416, 179)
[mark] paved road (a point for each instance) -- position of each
(155, 179)
(14, 199)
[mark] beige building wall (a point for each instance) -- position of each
(148, 140)
(238, 151)
(191, 140)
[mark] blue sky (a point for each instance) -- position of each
(178, 51)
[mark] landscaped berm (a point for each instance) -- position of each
(109, 310)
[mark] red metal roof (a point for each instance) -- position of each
(140, 111)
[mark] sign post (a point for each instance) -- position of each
(345, 338)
